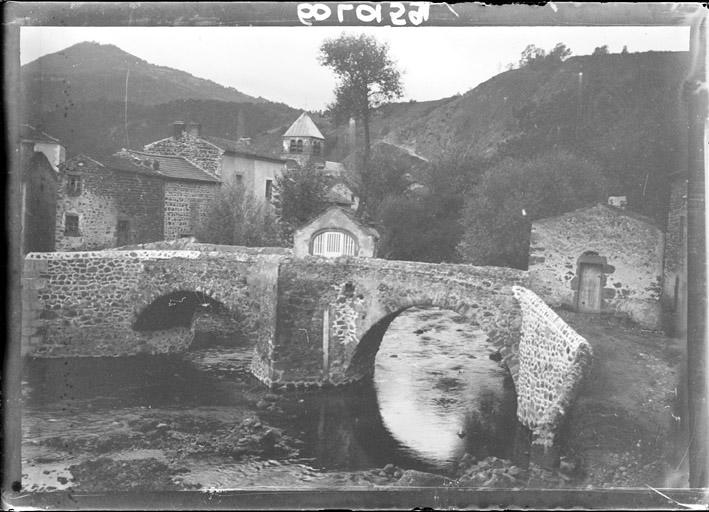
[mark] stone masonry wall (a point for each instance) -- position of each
(108, 196)
(86, 303)
(356, 294)
(181, 197)
(631, 246)
(552, 362)
(196, 150)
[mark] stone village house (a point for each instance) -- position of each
(600, 259)
(103, 205)
(236, 162)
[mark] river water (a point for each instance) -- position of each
(435, 395)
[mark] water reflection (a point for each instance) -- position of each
(439, 393)
(435, 394)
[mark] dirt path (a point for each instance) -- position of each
(622, 430)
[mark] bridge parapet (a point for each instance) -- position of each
(332, 313)
(86, 303)
(553, 359)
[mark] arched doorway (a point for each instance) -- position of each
(333, 243)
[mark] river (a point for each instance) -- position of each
(119, 422)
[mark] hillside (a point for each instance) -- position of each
(623, 111)
(90, 71)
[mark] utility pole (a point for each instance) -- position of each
(696, 87)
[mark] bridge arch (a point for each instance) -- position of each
(360, 314)
(503, 335)
(192, 317)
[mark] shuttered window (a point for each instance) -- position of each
(334, 243)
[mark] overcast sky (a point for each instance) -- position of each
(280, 63)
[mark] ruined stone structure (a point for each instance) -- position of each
(599, 259)
(313, 321)
(105, 205)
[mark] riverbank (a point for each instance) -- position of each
(153, 430)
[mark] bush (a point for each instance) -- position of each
(514, 193)
(238, 218)
(300, 194)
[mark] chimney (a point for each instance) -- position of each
(178, 127)
(194, 129)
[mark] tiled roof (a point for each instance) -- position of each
(29, 132)
(303, 127)
(175, 167)
(239, 148)
(124, 164)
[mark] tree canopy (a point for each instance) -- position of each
(366, 77)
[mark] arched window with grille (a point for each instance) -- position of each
(333, 243)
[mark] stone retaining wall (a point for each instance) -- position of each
(553, 358)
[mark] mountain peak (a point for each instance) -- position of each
(90, 70)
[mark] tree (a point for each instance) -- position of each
(533, 57)
(424, 224)
(367, 77)
(601, 50)
(236, 218)
(515, 192)
(300, 194)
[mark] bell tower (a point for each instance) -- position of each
(303, 142)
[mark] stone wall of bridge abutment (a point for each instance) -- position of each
(87, 303)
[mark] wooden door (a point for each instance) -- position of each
(590, 288)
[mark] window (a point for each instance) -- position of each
(296, 146)
(71, 225)
(334, 243)
(238, 179)
(269, 190)
(73, 185)
(316, 147)
(299, 146)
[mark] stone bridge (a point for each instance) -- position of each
(313, 321)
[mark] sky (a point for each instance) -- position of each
(280, 63)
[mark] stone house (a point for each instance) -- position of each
(103, 205)
(188, 190)
(600, 259)
(186, 141)
(39, 200)
(257, 172)
(335, 232)
(230, 161)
